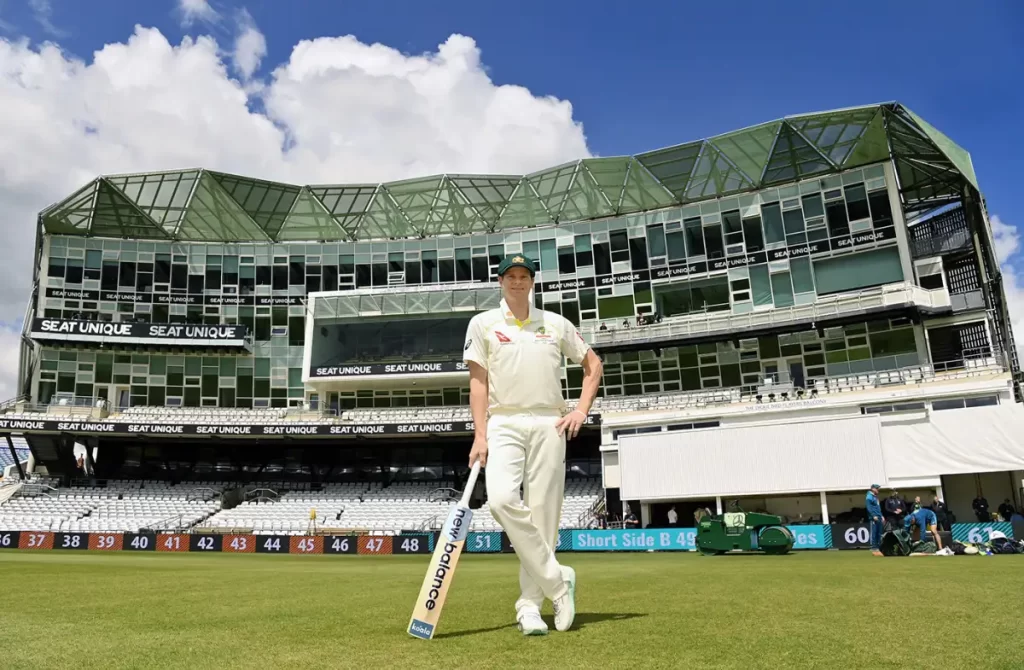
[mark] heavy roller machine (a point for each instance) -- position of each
(742, 531)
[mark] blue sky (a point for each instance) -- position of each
(669, 72)
(637, 76)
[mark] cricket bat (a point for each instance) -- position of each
(434, 591)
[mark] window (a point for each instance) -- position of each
(676, 246)
(694, 237)
(637, 254)
(803, 279)
(838, 224)
(620, 245)
(857, 271)
(856, 202)
(733, 228)
(713, 241)
(752, 234)
(893, 342)
(584, 251)
(782, 289)
(740, 290)
(696, 296)
(881, 212)
(761, 285)
(656, 240)
(773, 229)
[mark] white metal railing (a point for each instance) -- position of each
(813, 387)
(826, 307)
(328, 305)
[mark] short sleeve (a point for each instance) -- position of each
(574, 346)
(475, 348)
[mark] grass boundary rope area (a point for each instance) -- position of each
(804, 610)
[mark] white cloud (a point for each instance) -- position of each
(1007, 242)
(193, 11)
(336, 111)
(43, 13)
(250, 45)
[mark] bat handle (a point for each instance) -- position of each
(470, 484)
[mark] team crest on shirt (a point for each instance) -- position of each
(542, 335)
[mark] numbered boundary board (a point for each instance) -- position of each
(851, 536)
(413, 543)
(839, 536)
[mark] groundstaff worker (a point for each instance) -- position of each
(515, 354)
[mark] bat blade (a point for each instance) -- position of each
(441, 571)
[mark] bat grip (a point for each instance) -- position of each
(470, 484)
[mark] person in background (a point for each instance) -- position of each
(924, 519)
(980, 507)
(895, 509)
(673, 516)
(874, 516)
(941, 513)
(631, 522)
(1006, 510)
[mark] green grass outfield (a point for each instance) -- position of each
(810, 609)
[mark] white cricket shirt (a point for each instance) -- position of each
(523, 362)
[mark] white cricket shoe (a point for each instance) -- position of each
(530, 623)
(565, 607)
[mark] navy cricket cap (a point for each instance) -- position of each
(516, 261)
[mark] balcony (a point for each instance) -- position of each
(708, 325)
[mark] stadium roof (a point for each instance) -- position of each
(203, 205)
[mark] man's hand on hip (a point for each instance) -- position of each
(478, 452)
(570, 423)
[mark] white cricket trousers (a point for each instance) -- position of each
(524, 448)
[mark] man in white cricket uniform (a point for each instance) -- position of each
(515, 355)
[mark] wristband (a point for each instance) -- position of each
(580, 413)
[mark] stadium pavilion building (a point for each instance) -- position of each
(787, 313)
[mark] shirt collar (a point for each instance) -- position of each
(533, 317)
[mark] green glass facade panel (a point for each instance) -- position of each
(308, 220)
(714, 175)
(162, 196)
(383, 218)
(416, 198)
(114, 215)
(672, 167)
(749, 149)
(834, 134)
(267, 203)
(585, 198)
(642, 192)
(524, 209)
(213, 215)
(956, 155)
(803, 278)
(487, 195)
(782, 289)
(793, 158)
(931, 167)
(346, 204)
(552, 186)
(760, 285)
(858, 271)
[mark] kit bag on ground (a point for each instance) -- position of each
(895, 543)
